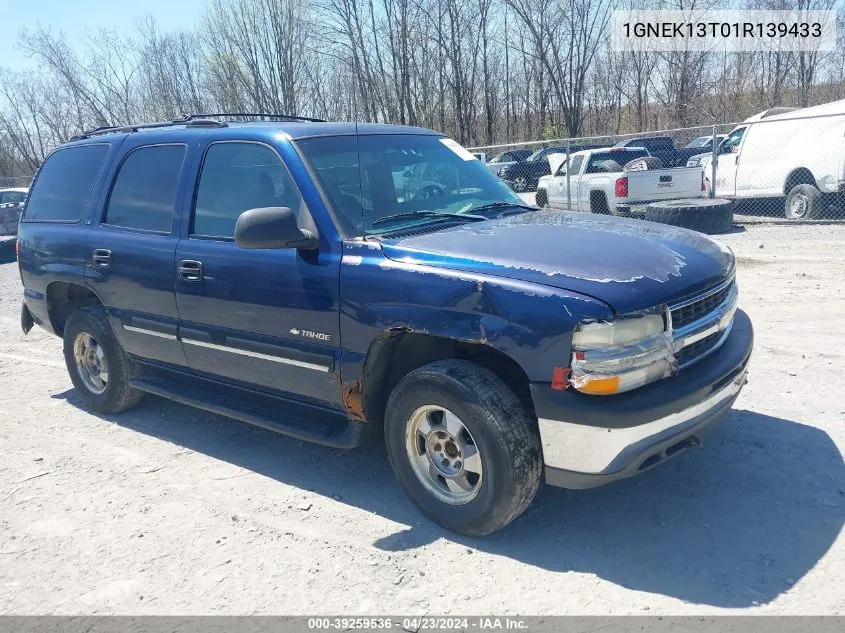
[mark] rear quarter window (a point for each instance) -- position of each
(146, 188)
(612, 162)
(64, 184)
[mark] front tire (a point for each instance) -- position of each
(803, 202)
(520, 184)
(462, 446)
(598, 203)
(99, 368)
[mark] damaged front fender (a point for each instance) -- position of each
(525, 322)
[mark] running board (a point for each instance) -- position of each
(302, 422)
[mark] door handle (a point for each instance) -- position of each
(101, 257)
(190, 270)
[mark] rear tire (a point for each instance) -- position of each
(598, 203)
(451, 410)
(711, 216)
(803, 202)
(99, 368)
(541, 199)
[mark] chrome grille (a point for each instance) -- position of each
(699, 308)
(689, 353)
(700, 325)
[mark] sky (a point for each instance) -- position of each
(75, 16)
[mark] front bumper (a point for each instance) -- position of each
(590, 441)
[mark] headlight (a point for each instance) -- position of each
(619, 332)
(615, 356)
(693, 162)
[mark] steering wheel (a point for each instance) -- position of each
(431, 190)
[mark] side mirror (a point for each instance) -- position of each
(272, 227)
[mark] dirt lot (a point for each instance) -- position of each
(166, 509)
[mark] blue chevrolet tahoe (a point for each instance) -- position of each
(332, 281)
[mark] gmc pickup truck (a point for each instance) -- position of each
(595, 181)
(274, 272)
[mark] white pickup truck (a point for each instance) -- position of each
(596, 181)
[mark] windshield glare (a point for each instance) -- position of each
(367, 178)
(540, 153)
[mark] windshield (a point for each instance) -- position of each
(699, 142)
(511, 157)
(542, 153)
(733, 141)
(387, 182)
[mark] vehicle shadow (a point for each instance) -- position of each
(733, 524)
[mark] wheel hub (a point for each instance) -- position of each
(444, 453)
(90, 363)
(799, 205)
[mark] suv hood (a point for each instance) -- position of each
(629, 264)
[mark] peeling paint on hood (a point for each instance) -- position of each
(627, 263)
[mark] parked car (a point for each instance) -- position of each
(663, 148)
(272, 273)
(796, 157)
(596, 181)
(523, 176)
(11, 206)
(695, 161)
(506, 159)
(704, 143)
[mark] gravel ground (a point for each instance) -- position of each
(169, 510)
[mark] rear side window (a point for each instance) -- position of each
(612, 162)
(64, 184)
(144, 193)
(236, 177)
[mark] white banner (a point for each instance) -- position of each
(700, 30)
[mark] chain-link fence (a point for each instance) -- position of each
(14, 182)
(781, 164)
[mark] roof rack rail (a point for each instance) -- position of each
(193, 120)
(255, 115)
(127, 129)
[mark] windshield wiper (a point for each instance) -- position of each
(503, 205)
(409, 215)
